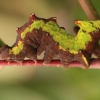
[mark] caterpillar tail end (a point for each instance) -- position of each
(85, 60)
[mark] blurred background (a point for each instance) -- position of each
(44, 83)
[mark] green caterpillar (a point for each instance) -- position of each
(40, 34)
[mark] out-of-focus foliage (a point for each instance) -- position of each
(1, 43)
(44, 83)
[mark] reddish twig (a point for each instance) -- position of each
(54, 63)
(89, 9)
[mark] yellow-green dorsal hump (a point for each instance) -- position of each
(66, 41)
(58, 34)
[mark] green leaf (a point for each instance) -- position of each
(1, 43)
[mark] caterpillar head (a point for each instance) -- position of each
(87, 26)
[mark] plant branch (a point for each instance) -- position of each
(54, 63)
(89, 9)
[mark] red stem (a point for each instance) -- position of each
(55, 63)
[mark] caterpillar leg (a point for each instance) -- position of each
(45, 41)
(18, 58)
(41, 48)
(30, 52)
(66, 57)
(50, 52)
(43, 44)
